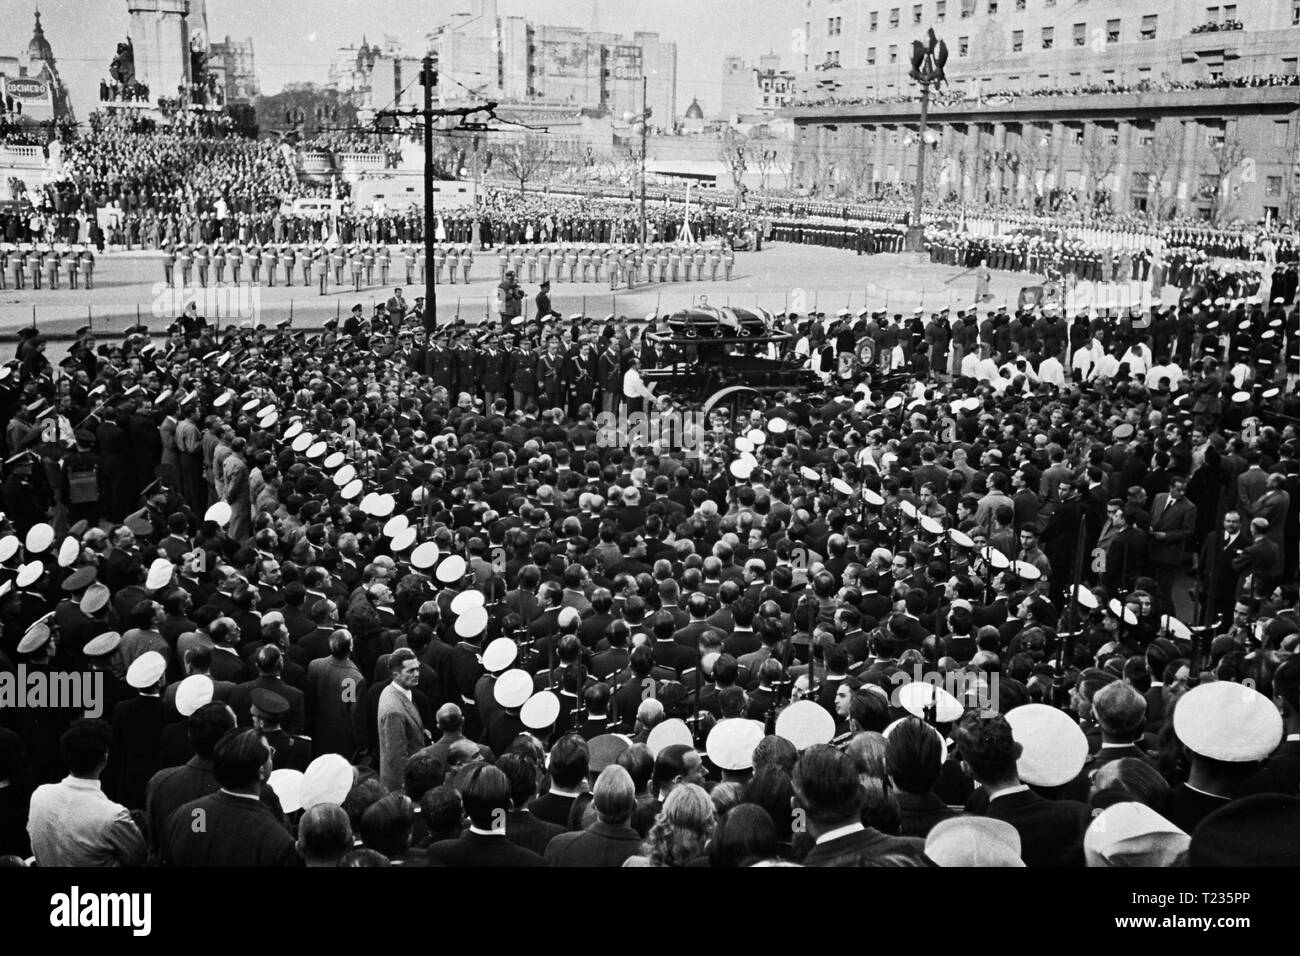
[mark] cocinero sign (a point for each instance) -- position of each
(25, 89)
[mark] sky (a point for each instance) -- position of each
(295, 41)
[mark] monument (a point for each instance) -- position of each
(160, 41)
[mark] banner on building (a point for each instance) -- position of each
(26, 88)
(627, 63)
(565, 58)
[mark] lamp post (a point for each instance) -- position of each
(928, 61)
(642, 120)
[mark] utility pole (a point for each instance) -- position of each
(928, 60)
(645, 114)
(429, 79)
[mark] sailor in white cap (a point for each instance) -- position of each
(974, 841)
(1228, 729)
(1132, 834)
(137, 730)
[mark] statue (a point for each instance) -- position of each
(122, 69)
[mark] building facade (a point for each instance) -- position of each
(231, 61)
(751, 91)
(1179, 107)
(513, 59)
(30, 83)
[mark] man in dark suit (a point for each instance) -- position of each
(336, 690)
(829, 793)
(1173, 522)
(1126, 554)
(239, 829)
(173, 786)
(610, 840)
(1280, 773)
(135, 754)
(268, 709)
(568, 768)
(1259, 563)
(522, 827)
(485, 791)
(1048, 828)
(270, 665)
(1218, 577)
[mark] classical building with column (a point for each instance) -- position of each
(1188, 108)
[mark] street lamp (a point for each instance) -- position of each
(928, 60)
(642, 121)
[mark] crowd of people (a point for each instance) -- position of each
(952, 97)
(396, 594)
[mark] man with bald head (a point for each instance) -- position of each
(335, 700)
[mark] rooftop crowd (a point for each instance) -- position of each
(386, 595)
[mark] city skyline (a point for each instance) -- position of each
(292, 48)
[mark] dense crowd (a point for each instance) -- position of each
(954, 97)
(400, 595)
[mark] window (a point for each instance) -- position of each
(1230, 11)
(1214, 138)
(1279, 132)
(1148, 31)
(1076, 135)
(833, 57)
(871, 56)
(1020, 4)
(1080, 34)
(1113, 137)
(1273, 186)
(1288, 66)
(1141, 182)
(1147, 136)
(963, 46)
(1212, 14)
(940, 10)
(834, 26)
(1047, 38)
(993, 7)
(967, 9)
(1049, 3)
(1295, 13)
(875, 17)
(1017, 40)
(893, 53)
(916, 14)
(893, 18)
(1209, 184)
(1112, 31)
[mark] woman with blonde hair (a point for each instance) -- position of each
(680, 834)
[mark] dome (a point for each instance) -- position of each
(694, 111)
(39, 48)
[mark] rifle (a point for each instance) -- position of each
(1065, 649)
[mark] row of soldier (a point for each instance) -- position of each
(41, 266)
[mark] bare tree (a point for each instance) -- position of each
(523, 159)
(1100, 158)
(1161, 160)
(1223, 159)
(735, 155)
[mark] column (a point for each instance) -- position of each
(998, 171)
(1185, 188)
(1056, 162)
(881, 137)
(1124, 128)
